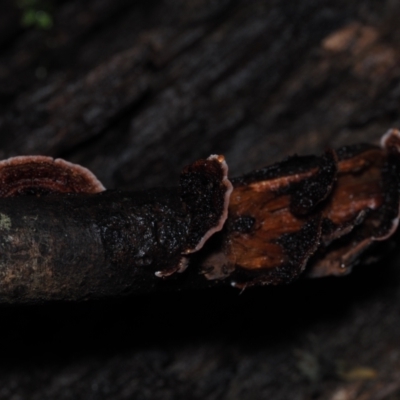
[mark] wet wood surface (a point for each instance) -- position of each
(136, 90)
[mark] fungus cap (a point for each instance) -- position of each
(41, 175)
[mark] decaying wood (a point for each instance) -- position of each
(321, 211)
(324, 212)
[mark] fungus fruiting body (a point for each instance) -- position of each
(211, 204)
(38, 175)
(205, 192)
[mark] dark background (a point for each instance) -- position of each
(135, 90)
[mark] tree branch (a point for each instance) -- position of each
(320, 212)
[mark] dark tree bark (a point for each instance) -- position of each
(136, 90)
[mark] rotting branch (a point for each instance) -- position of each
(63, 238)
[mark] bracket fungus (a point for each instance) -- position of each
(66, 237)
(206, 190)
(24, 175)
